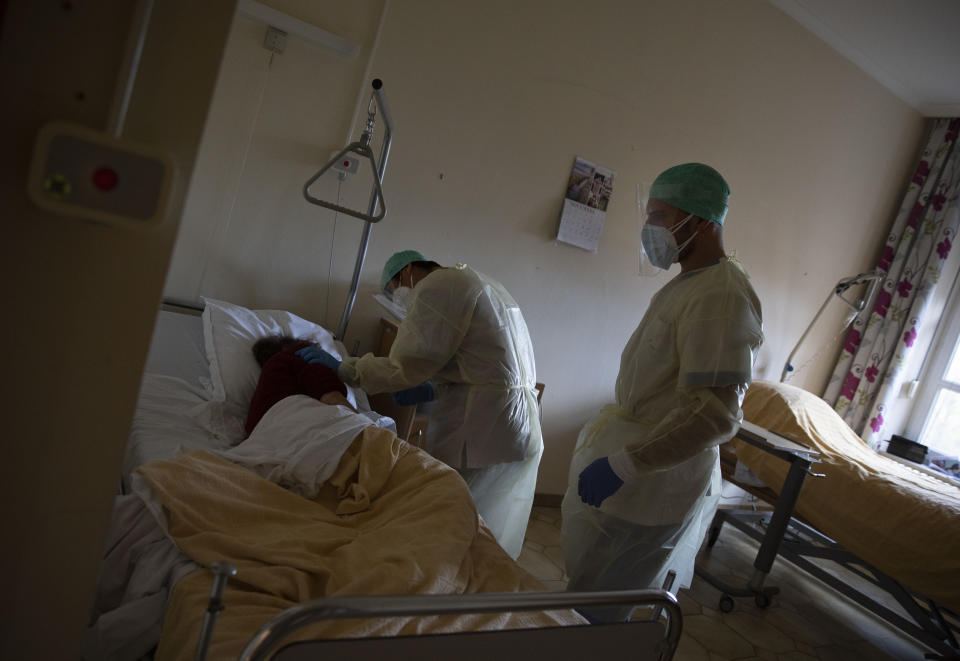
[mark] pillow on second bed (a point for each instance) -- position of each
(229, 332)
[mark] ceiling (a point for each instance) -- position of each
(912, 47)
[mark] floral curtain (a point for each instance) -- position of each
(867, 375)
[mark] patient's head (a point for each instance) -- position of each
(267, 347)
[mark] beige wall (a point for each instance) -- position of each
(80, 298)
(247, 234)
(492, 101)
(500, 97)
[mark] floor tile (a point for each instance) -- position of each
(687, 604)
(539, 565)
(806, 649)
(759, 632)
(795, 655)
(548, 514)
(543, 533)
(690, 650)
(717, 638)
(555, 553)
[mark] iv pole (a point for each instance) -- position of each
(876, 277)
(361, 148)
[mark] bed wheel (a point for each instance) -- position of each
(762, 600)
(712, 536)
(726, 603)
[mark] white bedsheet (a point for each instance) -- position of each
(173, 416)
(298, 443)
(140, 565)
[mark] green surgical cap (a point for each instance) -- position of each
(396, 263)
(695, 188)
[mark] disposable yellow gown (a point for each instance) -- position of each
(682, 378)
(465, 334)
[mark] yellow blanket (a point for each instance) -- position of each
(392, 520)
(904, 523)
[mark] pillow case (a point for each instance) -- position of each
(229, 332)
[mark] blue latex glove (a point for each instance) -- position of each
(415, 395)
(314, 354)
(597, 482)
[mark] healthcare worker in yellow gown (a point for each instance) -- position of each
(645, 476)
(464, 346)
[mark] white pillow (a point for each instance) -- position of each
(229, 332)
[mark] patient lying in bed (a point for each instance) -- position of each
(316, 502)
(284, 374)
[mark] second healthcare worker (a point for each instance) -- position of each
(645, 475)
(465, 345)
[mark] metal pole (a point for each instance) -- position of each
(838, 291)
(131, 64)
(381, 101)
(789, 493)
(222, 571)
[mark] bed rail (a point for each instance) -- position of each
(292, 619)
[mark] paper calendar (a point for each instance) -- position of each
(585, 205)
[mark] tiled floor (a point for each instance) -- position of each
(807, 621)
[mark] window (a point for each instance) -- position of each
(935, 421)
(941, 430)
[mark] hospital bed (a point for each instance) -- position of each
(838, 501)
(318, 503)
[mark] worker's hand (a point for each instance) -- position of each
(314, 354)
(415, 395)
(597, 482)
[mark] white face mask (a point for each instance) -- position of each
(401, 295)
(660, 245)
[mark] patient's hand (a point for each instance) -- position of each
(334, 398)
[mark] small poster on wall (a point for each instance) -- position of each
(585, 205)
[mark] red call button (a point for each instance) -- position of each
(105, 179)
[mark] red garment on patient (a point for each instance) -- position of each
(287, 374)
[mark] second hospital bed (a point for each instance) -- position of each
(319, 502)
(895, 527)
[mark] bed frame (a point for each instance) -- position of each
(653, 639)
(781, 533)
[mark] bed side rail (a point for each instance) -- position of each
(292, 619)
